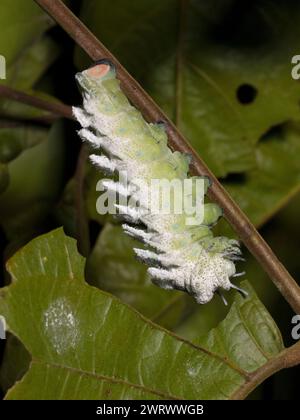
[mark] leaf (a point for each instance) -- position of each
(20, 23)
(4, 177)
(212, 57)
(217, 57)
(65, 210)
(14, 140)
(282, 236)
(33, 62)
(91, 194)
(28, 54)
(15, 363)
(27, 201)
(152, 38)
(86, 344)
(263, 191)
(24, 73)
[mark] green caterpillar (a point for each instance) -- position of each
(183, 256)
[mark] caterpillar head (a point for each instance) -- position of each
(90, 80)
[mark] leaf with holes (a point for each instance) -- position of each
(222, 83)
(266, 189)
(86, 344)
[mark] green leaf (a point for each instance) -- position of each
(28, 54)
(35, 182)
(91, 194)
(86, 344)
(24, 73)
(20, 22)
(28, 68)
(191, 99)
(15, 363)
(4, 177)
(263, 191)
(14, 140)
(194, 58)
(65, 210)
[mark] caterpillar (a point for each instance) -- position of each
(180, 255)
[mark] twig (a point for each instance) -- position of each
(239, 221)
(55, 108)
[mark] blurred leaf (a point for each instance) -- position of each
(158, 53)
(223, 83)
(193, 57)
(15, 363)
(14, 140)
(65, 210)
(86, 344)
(23, 75)
(21, 22)
(32, 63)
(4, 177)
(276, 179)
(35, 181)
(92, 177)
(28, 54)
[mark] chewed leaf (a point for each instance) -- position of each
(223, 63)
(86, 344)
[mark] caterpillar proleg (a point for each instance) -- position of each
(182, 255)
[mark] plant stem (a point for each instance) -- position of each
(238, 220)
(56, 108)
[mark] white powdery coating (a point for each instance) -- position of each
(178, 261)
(103, 163)
(61, 326)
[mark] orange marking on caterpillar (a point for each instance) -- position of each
(99, 70)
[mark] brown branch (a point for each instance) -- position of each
(289, 357)
(56, 108)
(239, 221)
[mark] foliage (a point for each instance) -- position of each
(222, 71)
(85, 343)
